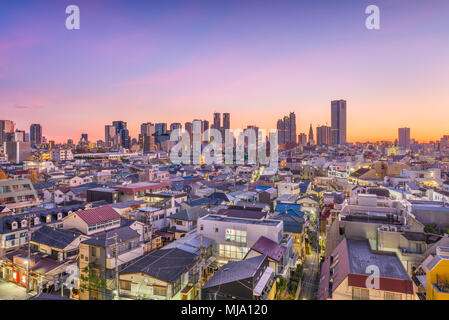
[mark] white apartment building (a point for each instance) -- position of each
(234, 237)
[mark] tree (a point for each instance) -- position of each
(3, 175)
(90, 279)
(33, 176)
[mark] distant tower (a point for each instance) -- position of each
(404, 138)
(311, 139)
(338, 122)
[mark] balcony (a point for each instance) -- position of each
(125, 257)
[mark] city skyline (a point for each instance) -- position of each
(163, 63)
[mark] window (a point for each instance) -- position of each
(93, 251)
(125, 285)
(216, 229)
(360, 294)
(160, 291)
(237, 236)
(232, 252)
(201, 227)
(392, 296)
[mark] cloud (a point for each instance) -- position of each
(27, 107)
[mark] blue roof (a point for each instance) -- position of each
(289, 208)
(263, 188)
(303, 185)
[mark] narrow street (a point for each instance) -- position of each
(309, 283)
(11, 291)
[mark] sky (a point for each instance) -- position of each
(175, 61)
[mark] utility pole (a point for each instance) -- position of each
(62, 285)
(200, 278)
(117, 281)
(28, 253)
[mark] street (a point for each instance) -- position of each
(309, 284)
(11, 291)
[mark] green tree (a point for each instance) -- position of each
(91, 280)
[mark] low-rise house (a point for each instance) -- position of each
(164, 274)
(185, 220)
(233, 237)
(101, 256)
(437, 276)
(249, 279)
(345, 273)
(92, 221)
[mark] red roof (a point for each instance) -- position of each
(270, 248)
(98, 215)
(143, 186)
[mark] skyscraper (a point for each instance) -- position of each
(338, 122)
(6, 126)
(287, 129)
(323, 135)
(302, 139)
(217, 121)
(292, 127)
(175, 126)
(109, 133)
(35, 134)
(226, 121)
(404, 138)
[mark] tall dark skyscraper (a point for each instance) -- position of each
(323, 135)
(226, 121)
(217, 121)
(338, 122)
(122, 132)
(109, 134)
(287, 129)
(404, 138)
(35, 134)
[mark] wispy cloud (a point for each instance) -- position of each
(27, 107)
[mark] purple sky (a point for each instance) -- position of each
(174, 61)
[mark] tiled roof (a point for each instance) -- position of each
(236, 270)
(163, 264)
(106, 239)
(98, 215)
(270, 248)
(56, 238)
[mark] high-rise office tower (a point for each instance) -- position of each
(302, 139)
(217, 121)
(175, 126)
(35, 134)
(323, 135)
(119, 126)
(226, 121)
(109, 133)
(147, 129)
(6, 126)
(188, 126)
(338, 122)
(205, 128)
(404, 138)
(281, 132)
(292, 127)
(287, 129)
(161, 128)
(126, 140)
(84, 138)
